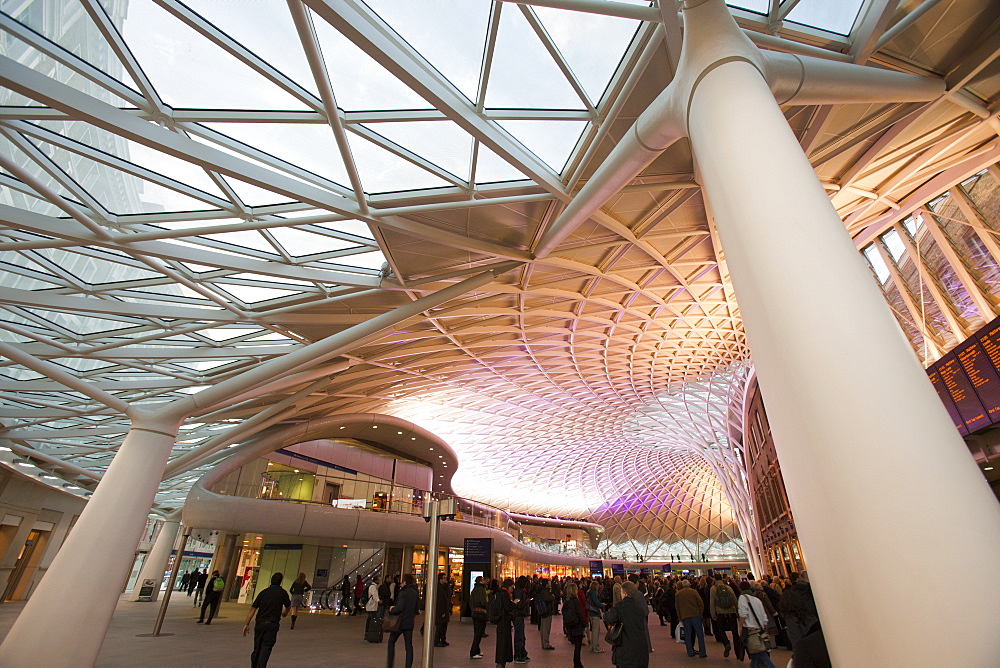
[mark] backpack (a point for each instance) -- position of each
(724, 597)
(218, 584)
(541, 606)
(365, 595)
(494, 608)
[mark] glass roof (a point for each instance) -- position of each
(219, 183)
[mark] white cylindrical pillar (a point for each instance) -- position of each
(65, 621)
(156, 561)
(877, 476)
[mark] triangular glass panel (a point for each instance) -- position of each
(17, 156)
(298, 242)
(384, 171)
(244, 239)
(450, 34)
(491, 168)
(353, 227)
(523, 75)
(368, 260)
(138, 154)
(592, 44)
(360, 83)
(249, 294)
(835, 17)
(267, 30)
(190, 71)
(252, 195)
(441, 142)
(76, 33)
(119, 192)
(552, 141)
(309, 146)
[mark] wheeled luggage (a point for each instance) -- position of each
(373, 630)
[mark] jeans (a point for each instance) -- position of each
(544, 628)
(407, 645)
(265, 634)
(761, 659)
(519, 650)
(692, 625)
(478, 631)
(595, 634)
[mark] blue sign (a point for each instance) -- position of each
(665, 568)
(617, 569)
(478, 550)
(597, 567)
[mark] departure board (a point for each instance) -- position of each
(968, 380)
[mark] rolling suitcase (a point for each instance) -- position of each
(373, 630)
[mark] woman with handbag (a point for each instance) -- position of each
(595, 610)
(753, 628)
(399, 620)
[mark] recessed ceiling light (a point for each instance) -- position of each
(374, 426)
(988, 468)
(400, 433)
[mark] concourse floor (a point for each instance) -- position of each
(322, 639)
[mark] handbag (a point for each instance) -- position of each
(614, 635)
(391, 622)
(757, 639)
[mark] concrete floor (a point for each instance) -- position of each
(326, 640)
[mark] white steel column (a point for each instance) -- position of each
(156, 561)
(88, 573)
(874, 468)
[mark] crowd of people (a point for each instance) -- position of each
(747, 617)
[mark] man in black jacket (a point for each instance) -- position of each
(213, 597)
(798, 609)
(406, 608)
(632, 649)
(442, 611)
(270, 606)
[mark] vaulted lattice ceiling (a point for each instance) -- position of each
(191, 189)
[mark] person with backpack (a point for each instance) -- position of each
(500, 611)
(723, 607)
(298, 591)
(212, 598)
(630, 649)
(544, 604)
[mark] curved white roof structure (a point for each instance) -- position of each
(192, 189)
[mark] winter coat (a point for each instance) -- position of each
(633, 651)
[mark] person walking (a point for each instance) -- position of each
(346, 593)
(595, 613)
(298, 591)
(199, 586)
(722, 603)
(478, 602)
(442, 611)
(270, 606)
(184, 581)
(798, 608)
(193, 582)
(406, 608)
(753, 622)
(213, 597)
(632, 648)
(689, 607)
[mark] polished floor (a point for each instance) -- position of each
(328, 640)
